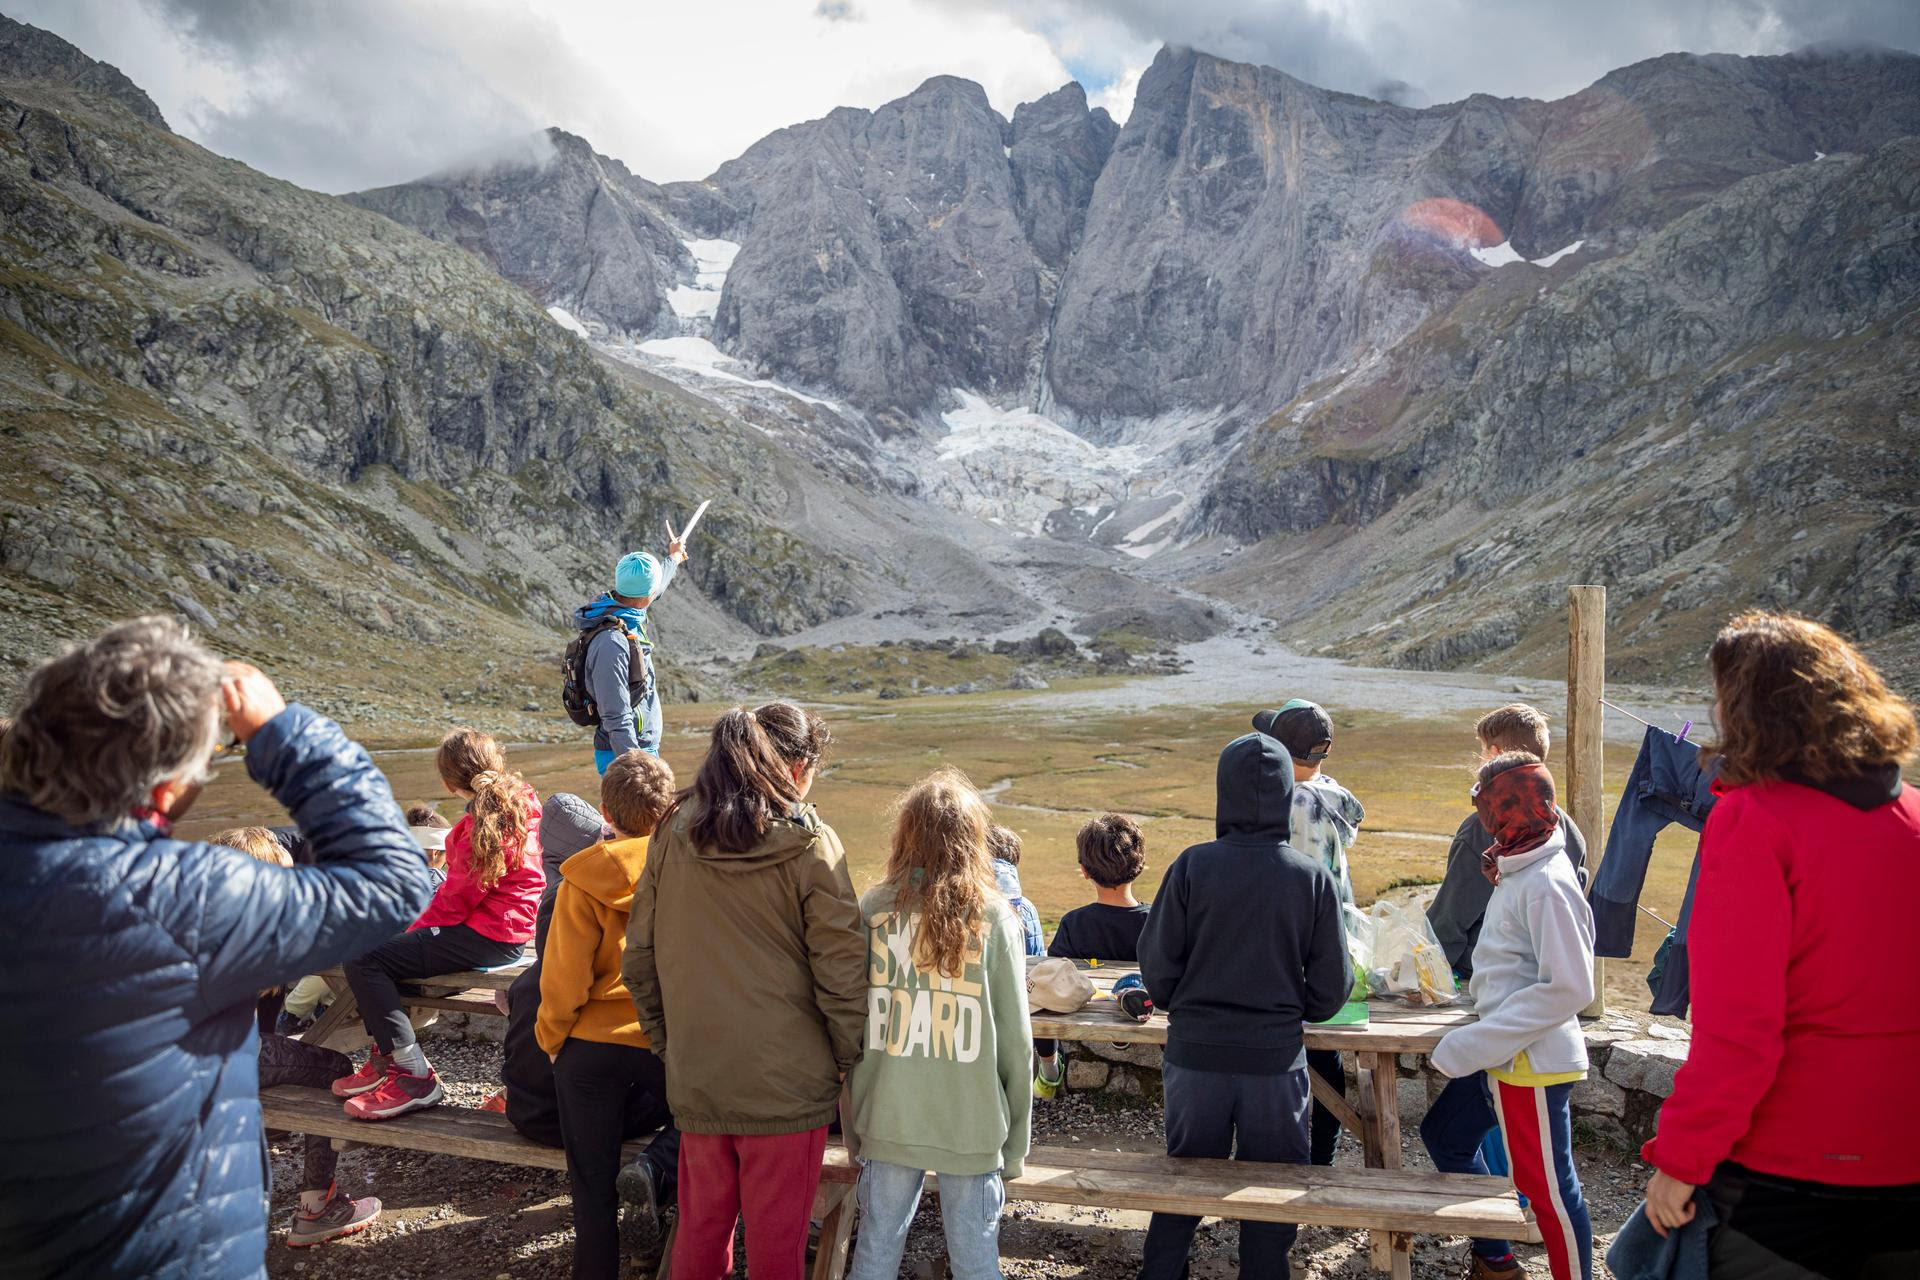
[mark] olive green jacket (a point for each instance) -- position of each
(749, 974)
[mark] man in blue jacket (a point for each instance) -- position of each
(619, 659)
(1244, 943)
(131, 1142)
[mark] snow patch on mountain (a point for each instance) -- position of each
(565, 319)
(688, 354)
(1023, 470)
(1558, 254)
(1504, 253)
(698, 302)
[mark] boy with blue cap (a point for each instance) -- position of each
(622, 698)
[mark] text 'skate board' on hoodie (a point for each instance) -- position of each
(582, 994)
(1245, 941)
(1532, 971)
(946, 1082)
(749, 974)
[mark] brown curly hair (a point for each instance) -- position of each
(940, 870)
(1112, 850)
(471, 761)
(1794, 698)
(635, 792)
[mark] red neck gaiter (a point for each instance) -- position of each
(1517, 808)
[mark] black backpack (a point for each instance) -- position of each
(574, 693)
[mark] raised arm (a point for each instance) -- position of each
(258, 925)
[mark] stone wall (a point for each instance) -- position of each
(1632, 1062)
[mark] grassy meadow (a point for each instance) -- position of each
(1047, 776)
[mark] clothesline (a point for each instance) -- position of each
(1685, 728)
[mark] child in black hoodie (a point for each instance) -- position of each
(1243, 945)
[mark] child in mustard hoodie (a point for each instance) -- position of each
(602, 1060)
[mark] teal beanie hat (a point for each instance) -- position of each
(636, 574)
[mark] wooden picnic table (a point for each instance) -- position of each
(1393, 1028)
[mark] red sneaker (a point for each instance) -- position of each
(367, 1078)
(496, 1102)
(398, 1094)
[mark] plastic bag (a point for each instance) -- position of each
(1359, 931)
(1405, 958)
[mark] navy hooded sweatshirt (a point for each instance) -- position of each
(1244, 942)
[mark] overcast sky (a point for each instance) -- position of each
(345, 94)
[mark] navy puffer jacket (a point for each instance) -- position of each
(130, 1141)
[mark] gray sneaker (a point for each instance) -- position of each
(342, 1216)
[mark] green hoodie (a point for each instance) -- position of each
(946, 1080)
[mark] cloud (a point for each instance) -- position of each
(1426, 51)
(1116, 94)
(344, 94)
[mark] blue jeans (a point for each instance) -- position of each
(1248, 1117)
(970, 1207)
(1541, 1155)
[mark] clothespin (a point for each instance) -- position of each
(1685, 729)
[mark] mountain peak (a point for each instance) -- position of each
(29, 53)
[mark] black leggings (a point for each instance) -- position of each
(284, 1061)
(420, 953)
(1775, 1228)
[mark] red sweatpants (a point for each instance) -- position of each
(770, 1180)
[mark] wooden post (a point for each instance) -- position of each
(1586, 738)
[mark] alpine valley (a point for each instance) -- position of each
(1388, 377)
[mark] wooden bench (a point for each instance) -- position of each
(487, 1135)
(1385, 1200)
(338, 1027)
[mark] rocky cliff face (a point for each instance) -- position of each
(1245, 233)
(1721, 416)
(572, 227)
(1251, 232)
(29, 52)
(329, 440)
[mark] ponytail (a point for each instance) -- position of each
(472, 761)
(743, 784)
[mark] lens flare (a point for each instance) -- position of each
(1453, 222)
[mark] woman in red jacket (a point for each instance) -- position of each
(481, 918)
(1795, 1112)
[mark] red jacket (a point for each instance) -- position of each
(505, 912)
(1805, 1025)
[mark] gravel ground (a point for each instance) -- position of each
(453, 1219)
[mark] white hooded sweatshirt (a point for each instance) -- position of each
(1532, 971)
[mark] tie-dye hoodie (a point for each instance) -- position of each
(1326, 820)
